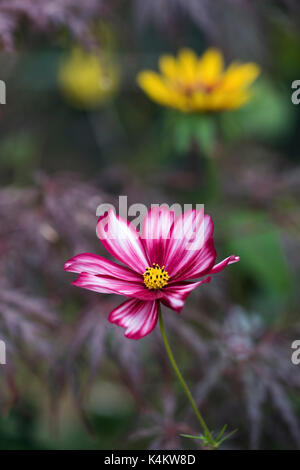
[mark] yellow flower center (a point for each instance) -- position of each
(191, 88)
(155, 277)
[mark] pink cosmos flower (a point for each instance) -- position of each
(159, 264)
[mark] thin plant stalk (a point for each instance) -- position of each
(185, 387)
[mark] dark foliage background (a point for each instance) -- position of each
(72, 380)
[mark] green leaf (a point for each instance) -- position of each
(187, 128)
(191, 437)
(257, 241)
(268, 115)
(226, 437)
(221, 432)
(205, 133)
(216, 441)
(183, 133)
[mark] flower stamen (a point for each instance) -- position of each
(155, 277)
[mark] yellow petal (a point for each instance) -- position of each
(187, 65)
(240, 76)
(222, 99)
(239, 100)
(210, 66)
(168, 66)
(154, 86)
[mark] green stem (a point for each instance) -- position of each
(182, 381)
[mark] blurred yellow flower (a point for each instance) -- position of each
(88, 79)
(193, 84)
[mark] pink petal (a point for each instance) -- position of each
(175, 294)
(156, 232)
(138, 317)
(121, 240)
(110, 285)
(200, 265)
(94, 264)
(220, 266)
(191, 232)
